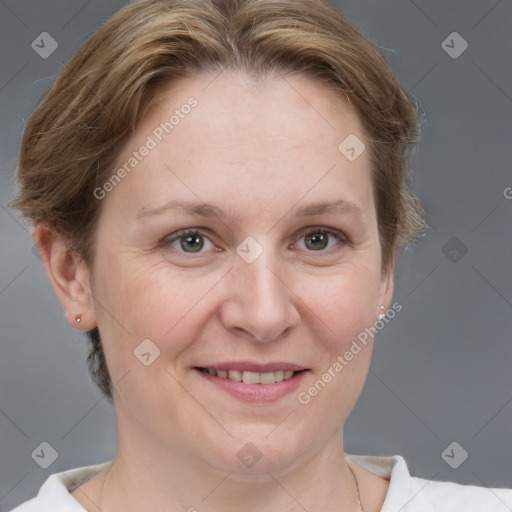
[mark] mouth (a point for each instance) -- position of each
(249, 377)
(269, 385)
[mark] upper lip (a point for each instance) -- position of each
(252, 366)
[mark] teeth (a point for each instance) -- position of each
(267, 378)
(235, 375)
(252, 377)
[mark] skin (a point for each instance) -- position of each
(257, 150)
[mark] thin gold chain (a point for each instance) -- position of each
(101, 495)
(357, 488)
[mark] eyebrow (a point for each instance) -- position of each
(207, 210)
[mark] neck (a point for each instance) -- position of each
(144, 474)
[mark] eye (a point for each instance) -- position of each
(318, 239)
(192, 241)
(188, 241)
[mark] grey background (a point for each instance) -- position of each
(441, 369)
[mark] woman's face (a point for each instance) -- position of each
(266, 279)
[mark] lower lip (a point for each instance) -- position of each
(256, 392)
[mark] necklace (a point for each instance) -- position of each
(103, 485)
(358, 494)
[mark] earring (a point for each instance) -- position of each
(78, 318)
(382, 315)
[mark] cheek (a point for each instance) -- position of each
(342, 305)
(155, 302)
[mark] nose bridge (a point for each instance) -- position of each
(262, 283)
(263, 304)
(260, 275)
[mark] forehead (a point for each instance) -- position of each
(228, 137)
(280, 104)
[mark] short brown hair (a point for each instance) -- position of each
(73, 138)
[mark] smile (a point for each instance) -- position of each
(273, 382)
(248, 377)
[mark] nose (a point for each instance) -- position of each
(259, 303)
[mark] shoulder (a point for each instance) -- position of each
(430, 495)
(55, 494)
(407, 493)
(28, 506)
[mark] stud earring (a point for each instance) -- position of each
(78, 318)
(382, 315)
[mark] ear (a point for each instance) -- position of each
(70, 279)
(387, 285)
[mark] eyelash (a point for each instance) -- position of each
(340, 236)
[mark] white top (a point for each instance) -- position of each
(406, 493)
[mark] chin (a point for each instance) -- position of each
(252, 457)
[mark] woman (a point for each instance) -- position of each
(218, 192)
